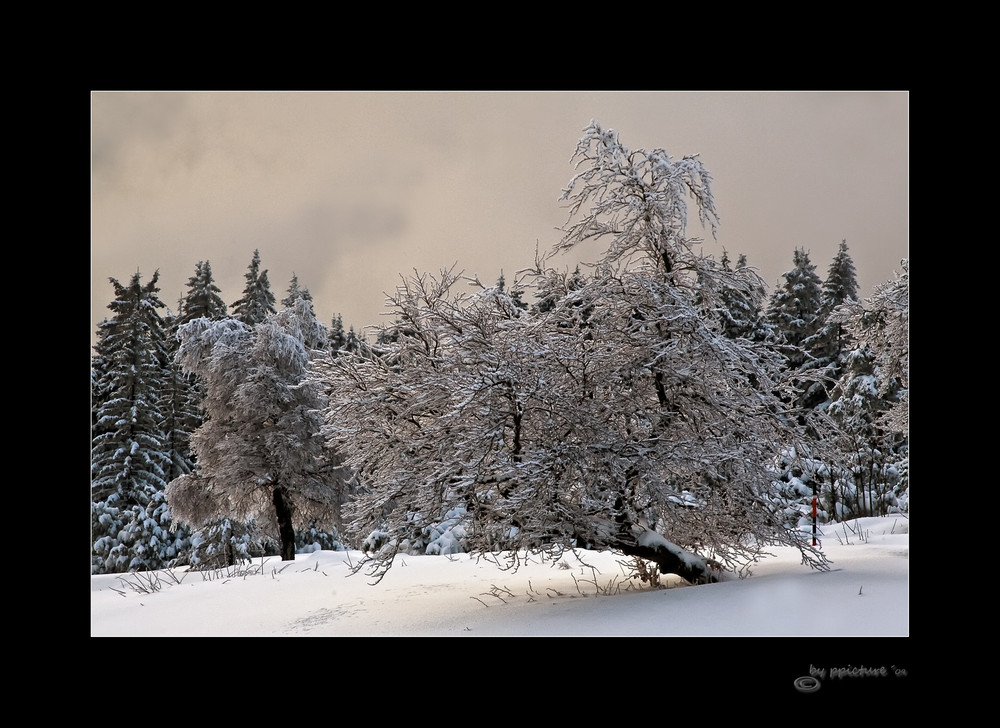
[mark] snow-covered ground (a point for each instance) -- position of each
(865, 594)
(851, 624)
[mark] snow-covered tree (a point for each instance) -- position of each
(336, 334)
(841, 283)
(514, 293)
(740, 306)
(130, 520)
(260, 454)
(794, 309)
(793, 316)
(646, 431)
(552, 286)
(882, 322)
(258, 300)
(828, 346)
(341, 341)
(870, 402)
(202, 297)
(866, 477)
(180, 406)
(295, 292)
(180, 400)
(317, 336)
(99, 383)
(434, 352)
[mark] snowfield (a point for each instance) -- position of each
(865, 594)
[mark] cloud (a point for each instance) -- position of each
(349, 190)
(126, 131)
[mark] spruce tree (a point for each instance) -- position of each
(513, 294)
(354, 343)
(317, 336)
(179, 399)
(870, 401)
(258, 300)
(794, 308)
(342, 342)
(295, 292)
(794, 315)
(202, 298)
(841, 282)
(557, 289)
(130, 519)
(740, 305)
(860, 489)
(337, 336)
(829, 345)
(99, 382)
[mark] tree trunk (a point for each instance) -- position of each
(227, 540)
(634, 540)
(286, 533)
(696, 569)
(230, 555)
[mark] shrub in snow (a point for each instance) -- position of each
(317, 539)
(447, 536)
(226, 542)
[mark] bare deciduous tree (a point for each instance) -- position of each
(638, 427)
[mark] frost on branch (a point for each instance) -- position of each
(615, 416)
(638, 199)
(260, 453)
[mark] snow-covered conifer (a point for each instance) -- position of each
(740, 305)
(828, 346)
(295, 292)
(336, 334)
(870, 402)
(202, 297)
(841, 283)
(258, 300)
(130, 521)
(794, 309)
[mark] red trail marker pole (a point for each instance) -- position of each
(814, 520)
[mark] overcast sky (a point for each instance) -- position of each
(348, 190)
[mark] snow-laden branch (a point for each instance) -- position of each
(614, 414)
